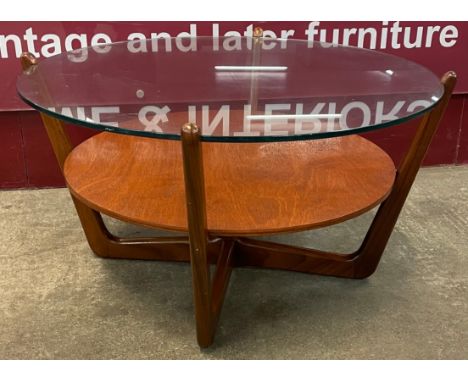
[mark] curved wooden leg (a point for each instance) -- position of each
(104, 244)
(364, 261)
(101, 241)
(265, 254)
(368, 256)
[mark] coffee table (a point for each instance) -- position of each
(227, 138)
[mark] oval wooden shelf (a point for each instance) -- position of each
(251, 188)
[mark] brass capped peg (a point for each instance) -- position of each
(27, 61)
(258, 32)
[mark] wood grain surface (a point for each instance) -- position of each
(251, 188)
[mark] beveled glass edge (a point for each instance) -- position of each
(231, 139)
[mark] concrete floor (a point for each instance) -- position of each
(59, 301)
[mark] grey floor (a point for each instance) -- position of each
(59, 301)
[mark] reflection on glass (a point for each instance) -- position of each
(230, 87)
(291, 116)
(252, 68)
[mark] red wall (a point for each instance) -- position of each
(26, 158)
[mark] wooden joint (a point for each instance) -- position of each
(27, 61)
(258, 32)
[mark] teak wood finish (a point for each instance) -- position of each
(201, 247)
(251, 189)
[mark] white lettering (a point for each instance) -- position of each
(417, 43)
(156, 38)
(316, 123)
(52, 48)
(269, 109)
(395, 30)
(101, 39)
(232, 41)
(136, 43)
(215, 35)
(247, 130)
(80, 55)
(430, 32)
(372, 35)
(347, 33)
(96, 113)
(366, 114)
(159, 115)
(30, 37)
(222, 115)
(4, 48)
(311, 31)
(448, 36)
(383, 37)
(391, 115)
(71, 38)
(285, 34)
(418, 104)
(184, 37)
(269, 44)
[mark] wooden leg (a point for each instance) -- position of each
(101, 241)
(376, 239)
(364, 261)
(265, 254)
(198, 235)
(208, 296)
(104, 244)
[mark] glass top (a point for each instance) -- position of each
(233, 88)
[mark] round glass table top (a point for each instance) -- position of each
(232, 88)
